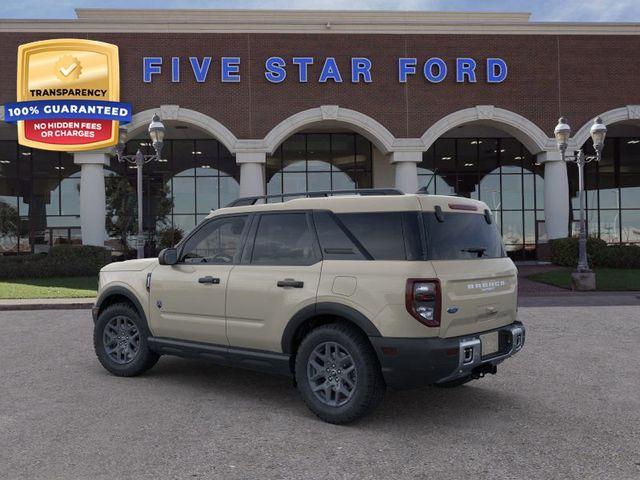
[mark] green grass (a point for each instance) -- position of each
(607, 279)
(69, 287)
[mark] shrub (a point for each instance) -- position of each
(618, 256)
(564, 252)
(61, 261)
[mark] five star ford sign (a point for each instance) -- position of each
(68, 95)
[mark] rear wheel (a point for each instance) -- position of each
(338, 374)
(120, 341)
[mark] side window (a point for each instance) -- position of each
(380, 233)
(334, 241)
(284, 239)
(216, 242)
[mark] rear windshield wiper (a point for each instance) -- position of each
(477, 250)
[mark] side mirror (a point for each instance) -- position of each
(168, 256)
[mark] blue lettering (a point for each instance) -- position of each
(200, 71)
(465, 67)
(303, 64)
(275, 69)
(175, 69)
(330, 71)
(406, 66)
(360, 67)
(496, 70)
(151, 66)
(230, 70)
(428, 70)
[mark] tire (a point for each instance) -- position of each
(120, 341)
(455, 383)
(342, 395)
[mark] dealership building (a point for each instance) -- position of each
(277, 102)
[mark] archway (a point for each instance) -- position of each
(326, 148)
(521, 128)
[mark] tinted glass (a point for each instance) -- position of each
(284, 239)
(462, 236)
(379, 233)
(334, 241)
(217, 242)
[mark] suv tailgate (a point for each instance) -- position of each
(477, 295)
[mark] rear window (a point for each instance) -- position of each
(462, 236)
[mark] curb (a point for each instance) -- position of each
(79, 305)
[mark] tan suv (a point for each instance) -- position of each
(347, 292)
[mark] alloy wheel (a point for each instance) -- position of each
(121, 339)
(331, 373)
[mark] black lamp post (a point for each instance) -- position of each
(156, 133)
(562, 133)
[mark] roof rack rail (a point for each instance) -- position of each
(245, 201)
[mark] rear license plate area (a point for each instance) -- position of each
(490, 343)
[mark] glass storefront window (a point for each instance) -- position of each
(612, 191)
(498, 171)
(319, 161)
(630, 224)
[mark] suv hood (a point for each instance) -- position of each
(130, 265)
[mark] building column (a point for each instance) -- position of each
(556, 194)
(406, 166)
(93, 208)
(251, 173)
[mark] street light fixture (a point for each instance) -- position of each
(156, 133)
(598, 132)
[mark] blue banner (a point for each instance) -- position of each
(67, 109)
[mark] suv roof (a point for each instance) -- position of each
(364, 203)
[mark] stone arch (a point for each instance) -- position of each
(374, 131)
(527, 132)
(622, 114)
(210, 125)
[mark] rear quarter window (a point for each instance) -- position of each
(462, 236)
(380, 233)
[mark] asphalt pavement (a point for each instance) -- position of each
(567, 407)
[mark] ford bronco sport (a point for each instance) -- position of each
(347, 293)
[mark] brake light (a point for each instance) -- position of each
(463, 206)
(422, 300)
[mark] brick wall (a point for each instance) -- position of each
(578, 76)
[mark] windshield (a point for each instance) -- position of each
(462, 236)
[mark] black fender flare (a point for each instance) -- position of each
(325, 308)
(118, 290)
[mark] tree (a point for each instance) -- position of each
(122, 208)
(9, 221)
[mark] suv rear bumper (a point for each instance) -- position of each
(416, 362)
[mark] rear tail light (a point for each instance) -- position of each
(423, 301)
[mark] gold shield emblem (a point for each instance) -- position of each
(68, 70)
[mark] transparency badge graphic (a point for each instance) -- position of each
(68, 95)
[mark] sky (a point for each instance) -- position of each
(542, 10)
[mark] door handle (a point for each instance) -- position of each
(209, 280)
(290, 282)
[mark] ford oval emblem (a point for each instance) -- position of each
(452, 310)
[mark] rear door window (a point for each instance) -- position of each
(462, 236)
(336, 241)
(284, 239)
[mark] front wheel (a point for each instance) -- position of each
(338, 374)
(120, 341)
